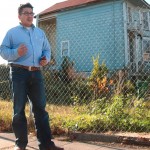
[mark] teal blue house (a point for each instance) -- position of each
(116, 30)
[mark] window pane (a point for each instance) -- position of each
(65, 48)
(129, 15)
(146, 46)
(145, 20)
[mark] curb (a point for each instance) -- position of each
(139, 141)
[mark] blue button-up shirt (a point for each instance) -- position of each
(35, 41)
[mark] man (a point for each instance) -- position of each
(27, 49)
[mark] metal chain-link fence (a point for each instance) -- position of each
(98, 78)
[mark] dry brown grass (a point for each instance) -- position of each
(5, 115)
(6, 109)
(62, 110)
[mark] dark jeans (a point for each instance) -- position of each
(29, 85)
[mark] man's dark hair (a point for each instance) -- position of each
(27, 5)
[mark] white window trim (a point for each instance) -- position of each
(68, 53)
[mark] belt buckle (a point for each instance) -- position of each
(30, 68)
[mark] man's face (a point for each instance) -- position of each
(26, 17)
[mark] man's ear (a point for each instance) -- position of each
(19, 17)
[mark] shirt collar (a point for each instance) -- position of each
(33, 26)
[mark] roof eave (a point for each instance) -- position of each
(67, 8)
(77, 6)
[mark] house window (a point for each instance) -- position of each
(64, 48)
(146, 49)
(146, 45)
(146, 20)
(129, 15)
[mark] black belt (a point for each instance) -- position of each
(29, 68)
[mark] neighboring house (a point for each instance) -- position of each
(118, 30)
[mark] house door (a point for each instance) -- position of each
(132, 52)
(138, 53)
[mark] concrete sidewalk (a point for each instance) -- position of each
(7, 143)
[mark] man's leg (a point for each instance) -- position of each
(19, 122)
(38, 99)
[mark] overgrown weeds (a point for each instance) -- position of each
(97, 116)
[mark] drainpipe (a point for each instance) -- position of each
(125, 32)
(37, 20)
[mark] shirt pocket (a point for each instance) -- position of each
(39, 41)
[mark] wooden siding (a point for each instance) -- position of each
(91, 31)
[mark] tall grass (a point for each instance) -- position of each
(97, 116)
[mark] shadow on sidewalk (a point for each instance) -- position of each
(4, 138)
